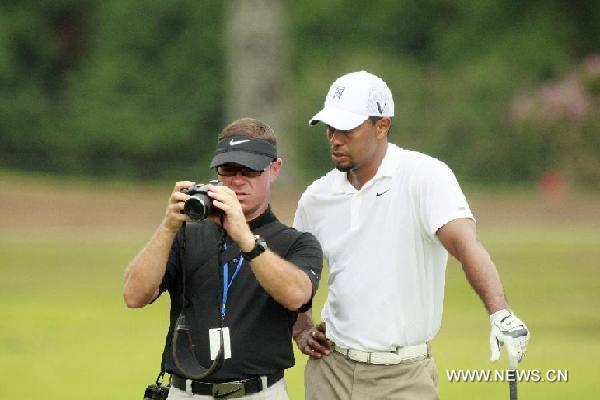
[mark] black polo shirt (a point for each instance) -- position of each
(260, 328)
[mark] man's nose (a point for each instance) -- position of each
(334, 136)
(238, 177)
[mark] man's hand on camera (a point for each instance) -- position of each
(234, 220)
(174, 216)
(313, 342)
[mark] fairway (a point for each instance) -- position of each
(66, 334)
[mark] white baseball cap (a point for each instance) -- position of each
(353, 98)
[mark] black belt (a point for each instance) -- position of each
(227, 390)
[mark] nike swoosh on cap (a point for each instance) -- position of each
(235, 142)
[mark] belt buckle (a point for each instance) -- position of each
(229, 390)
(347, 354)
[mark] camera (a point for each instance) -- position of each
(199, 205)
(156, 392)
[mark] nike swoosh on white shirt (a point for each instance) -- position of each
(234, 142)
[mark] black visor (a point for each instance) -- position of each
(250, 152)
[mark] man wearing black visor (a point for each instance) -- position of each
(239, 277)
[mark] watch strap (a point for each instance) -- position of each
(258, 249)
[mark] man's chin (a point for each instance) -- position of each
(344, 167)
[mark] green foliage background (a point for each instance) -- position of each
(110, 87)
(127, 88)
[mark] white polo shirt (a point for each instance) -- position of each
(386, 264)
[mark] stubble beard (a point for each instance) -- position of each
(344, 167)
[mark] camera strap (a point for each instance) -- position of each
(182, 345)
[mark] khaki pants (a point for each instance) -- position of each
(277, 391)
(335, 378)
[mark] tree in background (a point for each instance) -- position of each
(257, 69)
(111, 87)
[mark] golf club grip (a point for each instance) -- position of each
(512, 385)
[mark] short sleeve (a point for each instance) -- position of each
(300, 219)
(306, 254)
(441, 199)
(172, 267)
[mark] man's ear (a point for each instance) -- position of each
(275, 168)
(383, 127)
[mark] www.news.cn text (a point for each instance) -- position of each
(521, 375)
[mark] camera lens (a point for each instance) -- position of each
(198, 207)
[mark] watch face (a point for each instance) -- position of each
(262, 243)
(259, 247)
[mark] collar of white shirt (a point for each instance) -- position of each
(341, 185)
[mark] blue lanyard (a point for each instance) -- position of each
(227, 283)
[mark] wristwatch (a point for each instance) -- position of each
(260, 245)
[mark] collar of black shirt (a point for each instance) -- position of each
(262, 219)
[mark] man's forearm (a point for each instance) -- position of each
(286, 283)
(459, 237)
(483, 277)
(145, 272)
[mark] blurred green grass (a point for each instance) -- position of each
(66, 334)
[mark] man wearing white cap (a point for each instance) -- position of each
(386, 219)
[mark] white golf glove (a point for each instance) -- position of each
(508, 330)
